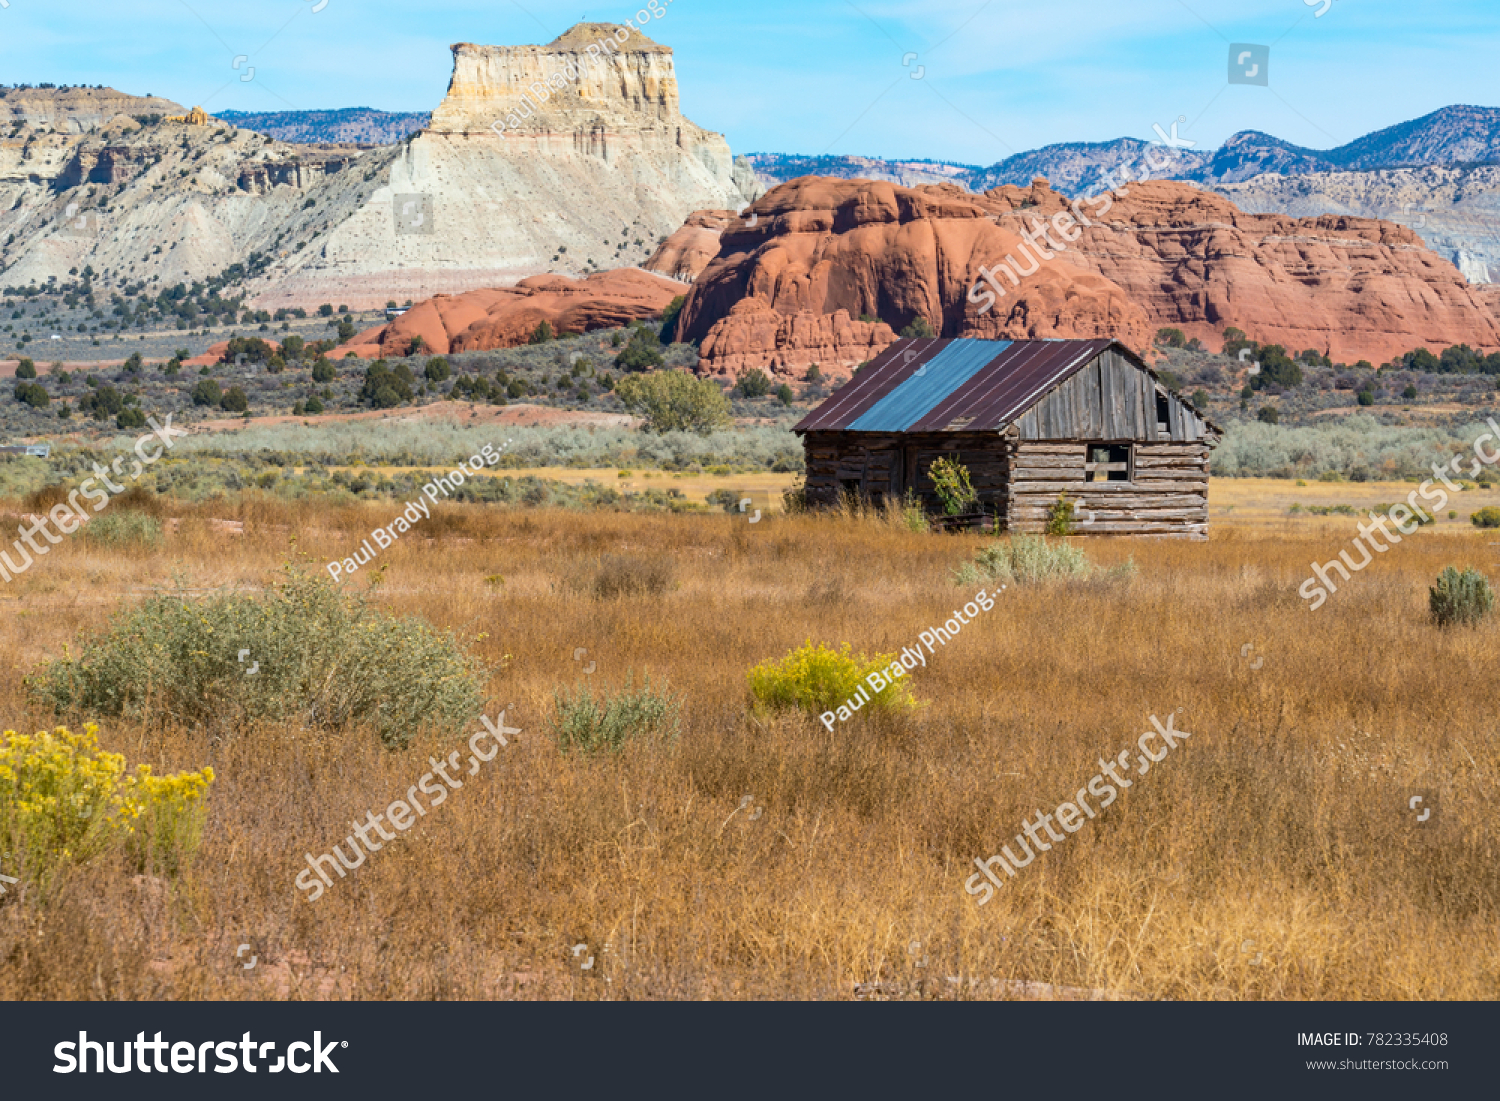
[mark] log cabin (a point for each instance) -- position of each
(1030, 420)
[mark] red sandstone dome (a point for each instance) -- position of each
(789, 290)
(506, 317)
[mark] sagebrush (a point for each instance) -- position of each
(324, 658)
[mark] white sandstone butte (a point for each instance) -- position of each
(521, 163)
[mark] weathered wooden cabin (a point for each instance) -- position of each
(1030, 419)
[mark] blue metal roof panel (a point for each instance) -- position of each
(882, 375)
(1011, 385)
(930, 385)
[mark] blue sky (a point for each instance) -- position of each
(815, 76)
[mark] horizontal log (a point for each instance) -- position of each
(1148, 516)
(1035, 528)
(1077, 487)
(1170, 464)
(1118, 500)
(1032, 504)
(1044, 462)
(1029, 474)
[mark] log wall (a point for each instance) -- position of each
(882, 466)
(1167, 495)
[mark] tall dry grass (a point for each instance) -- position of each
(1270, 856)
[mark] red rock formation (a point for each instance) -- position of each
(874, 248)
(218, 353)
(755, 335)
(505, 317)
(1353, 288)
(687, 252)
(1163, 254)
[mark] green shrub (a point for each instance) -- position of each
(326, 660)
(124, 528)
(675, 401)
(26, 369)
(207, 392)
(1060, 516)
(1418, 517)
(642, 353)
(583, 722)
(818, 679)
(1029, 558)
(950, 480)
(1460, 598)
(919, 329)
(33, 394)
(753, 384)
(1486, 518)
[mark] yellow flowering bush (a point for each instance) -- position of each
(63, 799)
(818, 679)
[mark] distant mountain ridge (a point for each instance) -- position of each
(362, 125)
(1455, 135)
(774, 168)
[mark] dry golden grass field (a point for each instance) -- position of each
(1271, 856)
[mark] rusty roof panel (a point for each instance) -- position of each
(1016, 374)
(1014, 381)
(885, 372)
(932, 384)
(1015, 377)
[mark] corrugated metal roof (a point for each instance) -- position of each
(968, 385)
(1010, 384)
(928, 386)
(882, 375)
